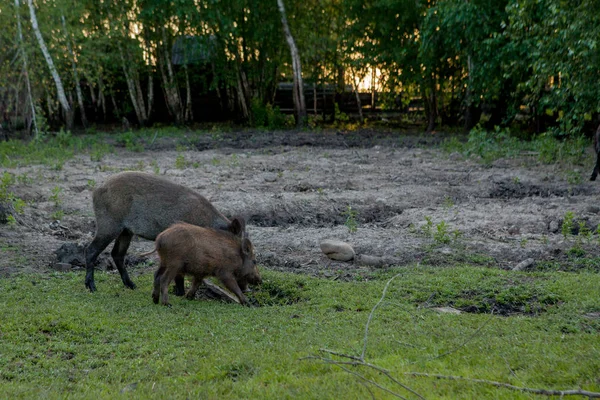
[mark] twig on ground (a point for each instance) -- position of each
(544, 392)
(362, 356)
(357, 362)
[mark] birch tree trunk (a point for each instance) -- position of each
(26, 70)
(75, 75)
(139, 109)
(170, 85)
(299, 105)
(57, 81)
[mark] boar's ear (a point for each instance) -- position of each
(246, 247)
(237, 226)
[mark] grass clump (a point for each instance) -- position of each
(501, 143)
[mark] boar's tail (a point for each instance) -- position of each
(147, 254)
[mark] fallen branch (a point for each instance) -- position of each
(219, 291)
(544, 392)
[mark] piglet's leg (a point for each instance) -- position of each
(191, 293)
(231, 284)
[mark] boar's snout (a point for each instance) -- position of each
(251, 274)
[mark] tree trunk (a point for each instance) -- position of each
(189, 114)
(62, 98)
(170, 85)
(471, 115)
(132, 88)
(432, 106)
(358, 102)
(242, 97)
(26, 71)
(299, 106)
(75, 75)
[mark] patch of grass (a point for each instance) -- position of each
(501, 143)
(60, 341)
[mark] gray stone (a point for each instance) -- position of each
(375, 261)
(524, 264)
(337, 250)
(61, 267)
(455, 156)
(514, 230)
(270, 177)
(553, 226)
(447, 310)
(593, 209)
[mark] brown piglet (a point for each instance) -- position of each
(186, 249)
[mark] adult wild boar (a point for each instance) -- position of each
(137, 203)
(597, 152)
(201, 252)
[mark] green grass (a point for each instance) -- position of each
(57, 340)
(547, 149)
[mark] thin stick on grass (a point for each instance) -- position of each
(544, 392)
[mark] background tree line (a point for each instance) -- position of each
(75, 63)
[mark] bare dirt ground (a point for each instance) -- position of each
(295, 188)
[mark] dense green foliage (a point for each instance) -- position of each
(59, 341)
(154, 60)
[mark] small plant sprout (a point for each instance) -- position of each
(567, 225)
(448, 202)
(180, 162)
(351, 222)
(155, 167)
(441, 234)
(428, 227)
(55, 197)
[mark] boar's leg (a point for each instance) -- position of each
(596, 168)
(118, 255)
(179, 286)
(94, 249)
(191, 293)
(157, 275)
(231, 284)
(170, 273)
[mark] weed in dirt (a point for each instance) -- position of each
(180, 162)
(568, 223)
(91, 183)
(574, 177)
(441, 234)
(351, 222)
(448, 202)
(99, 150)
(57, 200)
(155, 167)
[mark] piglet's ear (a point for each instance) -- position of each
(246, 247)
(237, 226)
